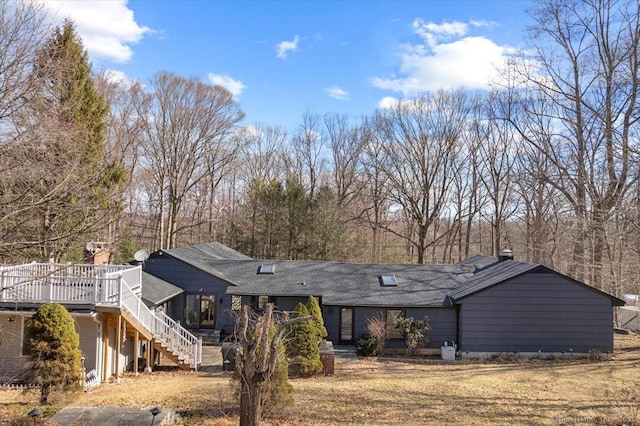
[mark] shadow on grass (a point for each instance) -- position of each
(200, 415)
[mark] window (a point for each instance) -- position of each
(267, 269)
(236, 303)
(262, 302)
(392, 333)
(346, 325)
(200, 310)
(388, 280)
(259, 303)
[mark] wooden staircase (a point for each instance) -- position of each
(175, 357)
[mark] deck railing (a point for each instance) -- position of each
(115, 285)
(63, 283)
(178, 338)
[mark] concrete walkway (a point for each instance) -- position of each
(112, 416)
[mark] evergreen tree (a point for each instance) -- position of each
(302, 347)
(73, 115)
(314, 309)
(54, 348)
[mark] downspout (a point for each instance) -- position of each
(458, 325)
(99, 352)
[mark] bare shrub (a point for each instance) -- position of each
(376, 326)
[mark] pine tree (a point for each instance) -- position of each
(73, 114)
(314, 309)
(54, 348)
(302, 347)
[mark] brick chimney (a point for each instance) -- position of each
(96, 253)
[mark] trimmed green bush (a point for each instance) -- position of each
(302, 345)
(54, 349)
(314, 309)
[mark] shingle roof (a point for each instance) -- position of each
(351, 284)
(156, 291)
(508, 269)
(479, 261)
(490, 276)
(201, 256)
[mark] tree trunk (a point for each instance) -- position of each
(250, 406)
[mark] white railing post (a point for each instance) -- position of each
(3, 283)
(50, 289)
(120, 283)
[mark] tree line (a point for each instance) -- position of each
(545, 162)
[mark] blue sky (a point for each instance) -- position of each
(282, 58)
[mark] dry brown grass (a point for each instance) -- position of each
(398, 391)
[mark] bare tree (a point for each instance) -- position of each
(188, 139)
(422, 140)
(347, 143)
(372, 190)
(257, 357)
(309, 143)
(124, 134)
(583, 110)
(262, 153)
(24, 27)
(498, 147)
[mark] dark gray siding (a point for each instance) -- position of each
(283, 303)
(536, 312)
(289, 303)
(442, 320)
(192, 280)
(331, 317)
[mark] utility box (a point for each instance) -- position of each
(448, 353)
(328, 358)
(228, 350)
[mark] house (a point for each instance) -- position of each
(202, 305)
(176, 297)
(116, 328)
(485, 305)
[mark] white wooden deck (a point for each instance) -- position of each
(117, 286)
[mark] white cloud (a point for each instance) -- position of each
(116, 76)
(388, 102)
(236, 87)
(249, 132)
(337, 92)
(107, 27)
(432, 33)
(284, 47)
(447, 58)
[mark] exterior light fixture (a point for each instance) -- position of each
(34, 414)
(154, 412)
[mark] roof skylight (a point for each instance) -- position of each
(268, 268)
(388, 280)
